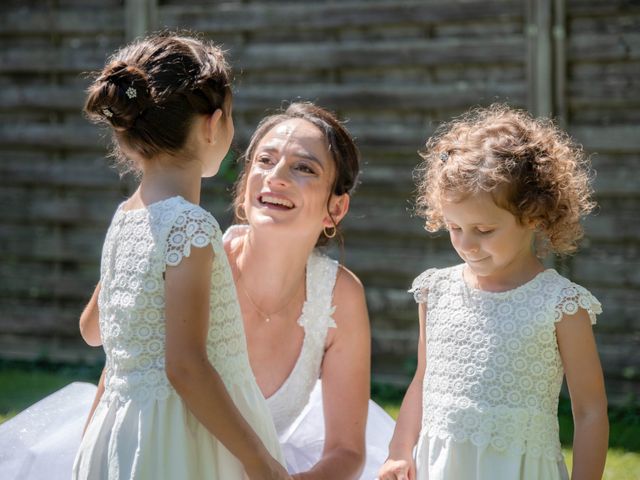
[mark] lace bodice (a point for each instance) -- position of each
(138, 247)
(292, 396)
(493, 371)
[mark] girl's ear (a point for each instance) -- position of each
(338, 208)
(532, 223)
(211, 126)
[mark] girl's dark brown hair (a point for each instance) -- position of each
(530, 167)
(342, 147)
(151, 90)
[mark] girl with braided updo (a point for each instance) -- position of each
(499, 331)
(179, 399)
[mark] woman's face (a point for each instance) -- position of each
(289, 180)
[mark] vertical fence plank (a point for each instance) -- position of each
(539, 61)
(141, 17)
(560, 62)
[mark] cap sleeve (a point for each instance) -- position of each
(422, 284)
(193, 227)
(573, 297)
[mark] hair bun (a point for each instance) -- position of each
(122, 96)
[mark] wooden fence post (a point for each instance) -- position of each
(560, 109)
(539, 58)
(141, 17)
(546, 74)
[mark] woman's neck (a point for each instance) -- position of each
(271, 269)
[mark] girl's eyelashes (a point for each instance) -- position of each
(480, 230)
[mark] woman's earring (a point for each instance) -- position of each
(238, 210)
(329, 232)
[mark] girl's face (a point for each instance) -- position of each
(488, 238)
(289, 180)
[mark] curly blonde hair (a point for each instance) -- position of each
(529, 166)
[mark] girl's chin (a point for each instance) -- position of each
(480, 270)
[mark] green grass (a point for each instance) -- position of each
(621, 465)
(22, 384)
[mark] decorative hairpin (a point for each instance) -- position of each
(107, 112)
(444, 156)
(131, 92)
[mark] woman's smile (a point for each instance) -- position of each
(274, 200)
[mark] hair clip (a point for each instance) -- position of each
(131, 92)
(107, 112)
(444, 156)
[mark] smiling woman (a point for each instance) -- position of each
(319, 153)
(309, 320)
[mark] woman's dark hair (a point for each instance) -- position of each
(151, 90)
(343, 150)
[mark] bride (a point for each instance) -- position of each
(305, 316)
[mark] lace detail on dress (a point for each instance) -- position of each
(194, 227)
(574, 297)
(494, 371)
(289, 400)
(139, 245)
(422, 284)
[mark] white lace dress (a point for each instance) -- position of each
(142, 429)
(296, 407)
(493, 377)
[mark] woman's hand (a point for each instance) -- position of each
(398, 469)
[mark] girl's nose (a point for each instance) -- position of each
(468, 244)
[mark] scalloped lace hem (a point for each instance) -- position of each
(500, 444)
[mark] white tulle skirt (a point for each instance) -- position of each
(41, 442)
(303, 441)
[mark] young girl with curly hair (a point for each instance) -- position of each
(499, 331)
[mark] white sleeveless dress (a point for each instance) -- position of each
(141, 428)
(493, 377)
(296, 407)
(41, 441)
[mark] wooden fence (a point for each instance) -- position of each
(394, 69)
